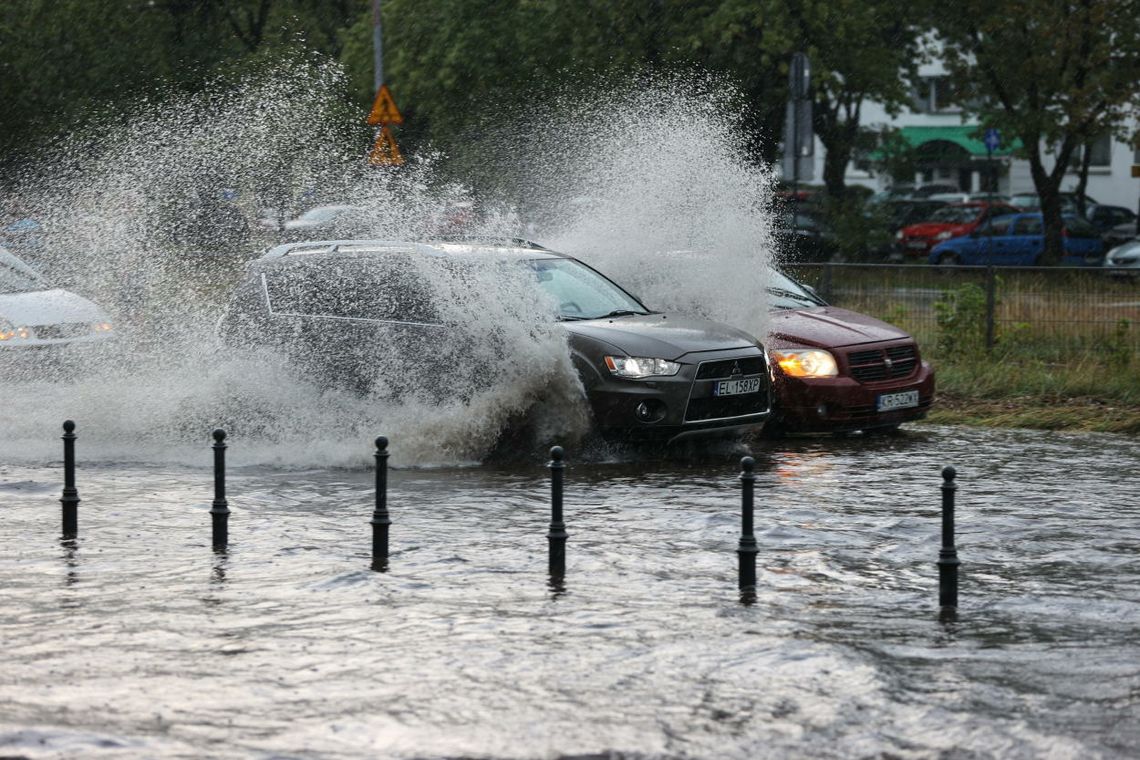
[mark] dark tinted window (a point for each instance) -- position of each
(1028, 225)
(1079, 228)
(998, 226)
(384, 287)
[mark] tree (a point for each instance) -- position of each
(859, 50)
(1054, 73)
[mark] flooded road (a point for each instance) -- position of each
(137, 640)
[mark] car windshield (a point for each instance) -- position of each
(580, 292)
(323, 213)
(955, 214)
(17, 277)
(786, 293)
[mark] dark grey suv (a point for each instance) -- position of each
(646, 375)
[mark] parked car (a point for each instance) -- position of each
(1032, 202)
(836, 371)
(1116, 224)
(950, 221)
(906, 212)
(37, 321)
(1019, 240)
(804, 237)
(646, 375)
(1124, 259)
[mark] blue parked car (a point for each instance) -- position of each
(1018, 240)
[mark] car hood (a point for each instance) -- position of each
(48, 307)
(828, 327)
(661, 336)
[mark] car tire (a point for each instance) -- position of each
(948, 262)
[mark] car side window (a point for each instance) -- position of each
(1027, 225)
(999, 226)
(1079, 228)
(387, 289)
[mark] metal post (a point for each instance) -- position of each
(380, 520)
(991, 303)
(377, 48)
(747, 550)
(220, 511)
(557, 535)
(70, 499)
(948, 554)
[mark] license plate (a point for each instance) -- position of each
(737, 387)
(904, 400)
(916, 244)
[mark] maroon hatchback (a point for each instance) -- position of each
(837, 371)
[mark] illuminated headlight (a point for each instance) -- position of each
(640, 366)
(102, 326)
(944, 235)
(805, 362)
(8, 331)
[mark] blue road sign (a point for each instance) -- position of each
(992, 139)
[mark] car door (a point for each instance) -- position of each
(991, 245)
(1026, 241)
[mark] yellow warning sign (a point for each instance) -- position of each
(384, 109)
(384, 151)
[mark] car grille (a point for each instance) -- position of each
(716, 407)
(65, 330)
(883, 364)
(749, 366)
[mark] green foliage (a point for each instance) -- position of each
(1118, 346)
(960, 315)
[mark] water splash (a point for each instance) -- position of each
(156, 218)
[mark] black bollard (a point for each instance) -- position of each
(747, 550)
(220, 511)
(70, 499)
(380, 520)
(948, 554)
(557, 535)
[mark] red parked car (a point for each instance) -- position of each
(837, 371)
(951, 221)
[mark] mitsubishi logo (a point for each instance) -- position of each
(736, 369)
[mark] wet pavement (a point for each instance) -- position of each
(137, 640)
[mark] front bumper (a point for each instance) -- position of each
(685, 406)
(844, 404)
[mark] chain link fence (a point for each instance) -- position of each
(1051, 313)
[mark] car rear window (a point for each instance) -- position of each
(351, 288)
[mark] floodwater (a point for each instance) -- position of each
(137, 640)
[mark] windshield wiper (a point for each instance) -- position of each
(624, 313)
(794, 295)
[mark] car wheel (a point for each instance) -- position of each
(948, 261)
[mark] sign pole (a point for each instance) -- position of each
(377, 47)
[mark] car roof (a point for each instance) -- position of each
(505, 249)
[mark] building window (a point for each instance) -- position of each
(936, 94)
(1100, 153)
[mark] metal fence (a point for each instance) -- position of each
(1049, 312)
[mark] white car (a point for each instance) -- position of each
(34, 314)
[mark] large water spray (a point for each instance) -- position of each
(156, 218)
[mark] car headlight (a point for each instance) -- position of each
(899, 235)
(805, 362)
(944, 235)
(9, 331)
(102, 326)
(640, 366)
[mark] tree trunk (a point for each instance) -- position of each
(1048, 185)
(1083, 180)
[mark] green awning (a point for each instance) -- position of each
(961, 135)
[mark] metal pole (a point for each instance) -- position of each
(220, 511)
(557, 535)
(380, 520)
(948, 554)
(70, 499)
(747, 550)
(991, 304)
(377, 48)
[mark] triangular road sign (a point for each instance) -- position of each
(384, 109)
(384, 151)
